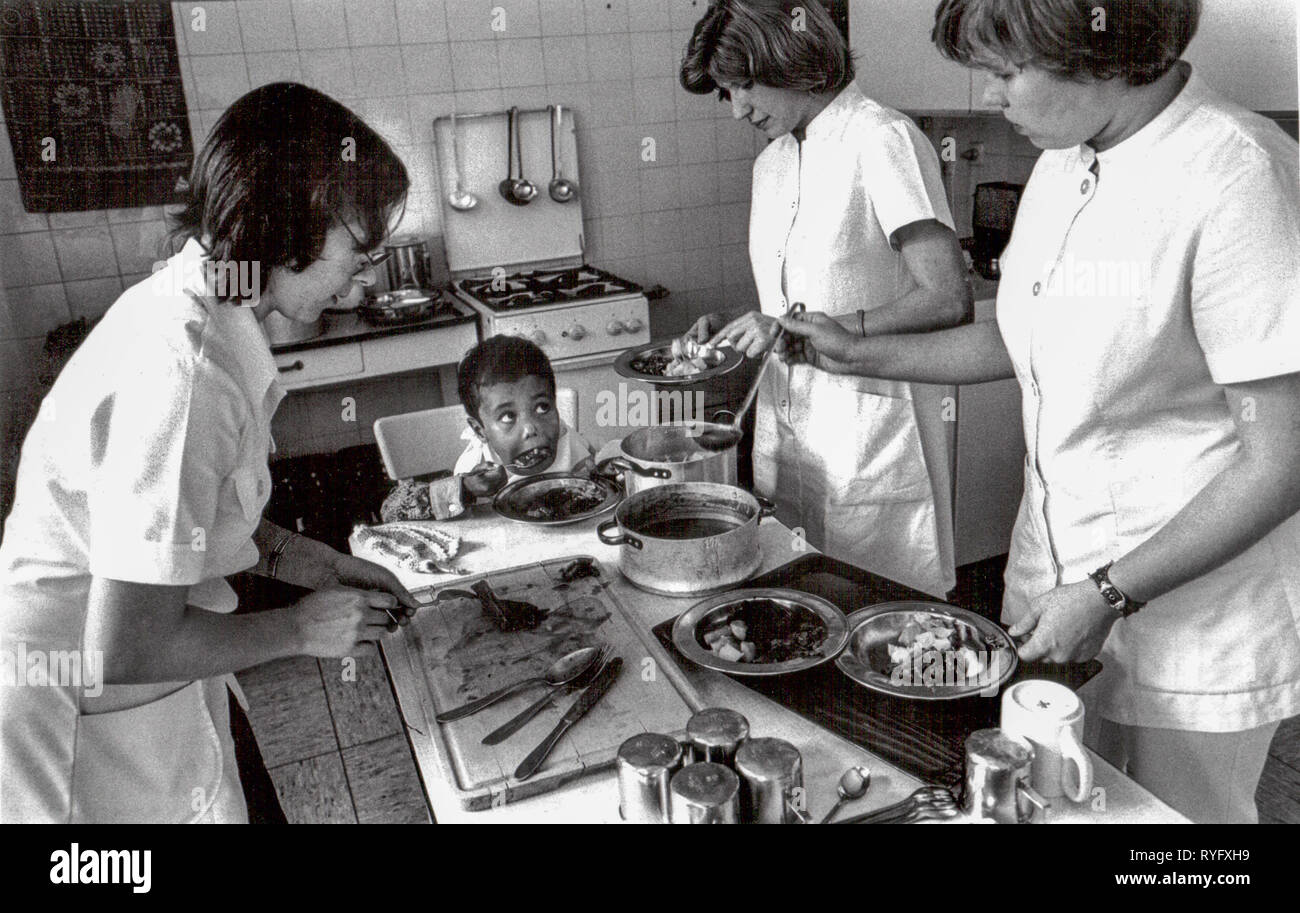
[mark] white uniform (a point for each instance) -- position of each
(147, 463)
(1138, 282)
(859, 464)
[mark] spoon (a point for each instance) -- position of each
(516, 190)
(722, 437)
(561, 672)
(562, 189)
(853, 785)
(460, 199)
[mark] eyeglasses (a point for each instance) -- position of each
(375, 257)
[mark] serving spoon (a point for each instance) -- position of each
(562, 190)
(517, 190)
(460, 199)
(853, 785)
(561, 672)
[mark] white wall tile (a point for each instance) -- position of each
(655, 101)
(697, 142)
(470, 20)
(565, 57)
(267, 25)
(735, 139)
(139, 245)
(649, 15)
(320, 23)
(273, 66)
(621, 236)
(564, 17)
(372, 22)
(85, 253)
(606, 17)
(474, 65)
(480, 101)
(683, 14)
(330, 71)
(220, 32)
(521, 62)
(609, 57)
(38, 309)
(17, 361)
(14, 218)
(77, 219)
(700, 186)
(657, 56)
(27, 259)
(219, 79)
(523, 17)
(661, 231)
(427, 68)
(423, 109)
(421, 21)
(378, 70)
(90, 298)
(389, 118)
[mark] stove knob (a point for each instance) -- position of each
(576, 332)
(613, 328)
(538, 337)
(633, 326)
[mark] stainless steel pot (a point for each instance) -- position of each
(408, 265)
(663, 454)
(687, 538)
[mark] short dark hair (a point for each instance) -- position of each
(747, 41)
(281, 164)
(1135, 40)
(499, 360)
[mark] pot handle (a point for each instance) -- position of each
(626, 465)
(765, 507)
(602, 533)
(717, 420)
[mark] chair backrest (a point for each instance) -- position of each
(419, 443)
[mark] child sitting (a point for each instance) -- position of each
(507, 387)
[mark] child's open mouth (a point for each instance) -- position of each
(531, 459)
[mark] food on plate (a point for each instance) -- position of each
(765, 631)
(423, 549)
(930, 639)
(563, 502)
(684, 358)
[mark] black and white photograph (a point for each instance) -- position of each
(652, 411)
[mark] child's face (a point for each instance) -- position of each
(518, 420)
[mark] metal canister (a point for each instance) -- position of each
(771, 781)
(997, 778)
(715, 734)
(646, 764)
(704, 794)
(408, 263)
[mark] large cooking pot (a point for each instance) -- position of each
(663, 454)
(687, 538)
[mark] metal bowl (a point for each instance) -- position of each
(688, 641)
(865, 660)
(515, 500)
(731, 359)
(400, 306)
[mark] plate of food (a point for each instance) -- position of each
(556, 498)
(677, 362)
(928, 651)
(761, 631)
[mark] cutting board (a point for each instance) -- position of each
(458, 654)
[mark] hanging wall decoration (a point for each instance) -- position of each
(93, 103)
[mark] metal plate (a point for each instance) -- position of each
(731, 359)
(688, 624)
(514, 501)
(877, 625)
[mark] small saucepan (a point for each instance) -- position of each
(662, 454)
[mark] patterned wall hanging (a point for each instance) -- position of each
(93, 103)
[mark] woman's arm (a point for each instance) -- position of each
(1239, 506)
(146, 633)
(307, 563)
(942, 297)
(969, 354)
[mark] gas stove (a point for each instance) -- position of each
(541, 287)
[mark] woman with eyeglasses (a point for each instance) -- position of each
(849, 217)
(1150, 309)
(142, 483)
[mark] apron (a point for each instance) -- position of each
(853, 463)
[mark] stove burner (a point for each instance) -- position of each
(524, 290)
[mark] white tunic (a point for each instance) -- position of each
(147, 463)
(1138, 282)
(860, 465)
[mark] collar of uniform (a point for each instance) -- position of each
(824, 124)
(248, 349)
(1162, 125)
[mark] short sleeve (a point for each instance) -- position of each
(1246, 277)
(903, 179)
(163, 442)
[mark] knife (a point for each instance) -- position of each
(520, 720)
(595, 691)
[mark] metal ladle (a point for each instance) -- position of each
(460, 199)
(562, 189)
(516, 190)
(853, 785)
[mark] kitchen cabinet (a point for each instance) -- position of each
(1246, 49)
(897, 64)
(349, 358)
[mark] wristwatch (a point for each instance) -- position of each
(1113, 595)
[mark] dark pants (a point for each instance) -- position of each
(259, 791)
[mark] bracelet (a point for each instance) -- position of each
(273, 560)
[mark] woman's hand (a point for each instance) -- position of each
(485, 480)
(750, 334)
(315, 565)
(706, 326)
(1069, 624)
(333, 621)
(819, 340)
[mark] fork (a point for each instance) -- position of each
(928, 801)
(506, 730)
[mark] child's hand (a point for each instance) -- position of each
(485, 480)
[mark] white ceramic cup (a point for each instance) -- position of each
(1050, 718)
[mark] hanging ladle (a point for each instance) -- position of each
(460, 199)
(562, 189)
(717, 437)
(516, 190)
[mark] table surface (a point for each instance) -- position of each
(491, 543)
